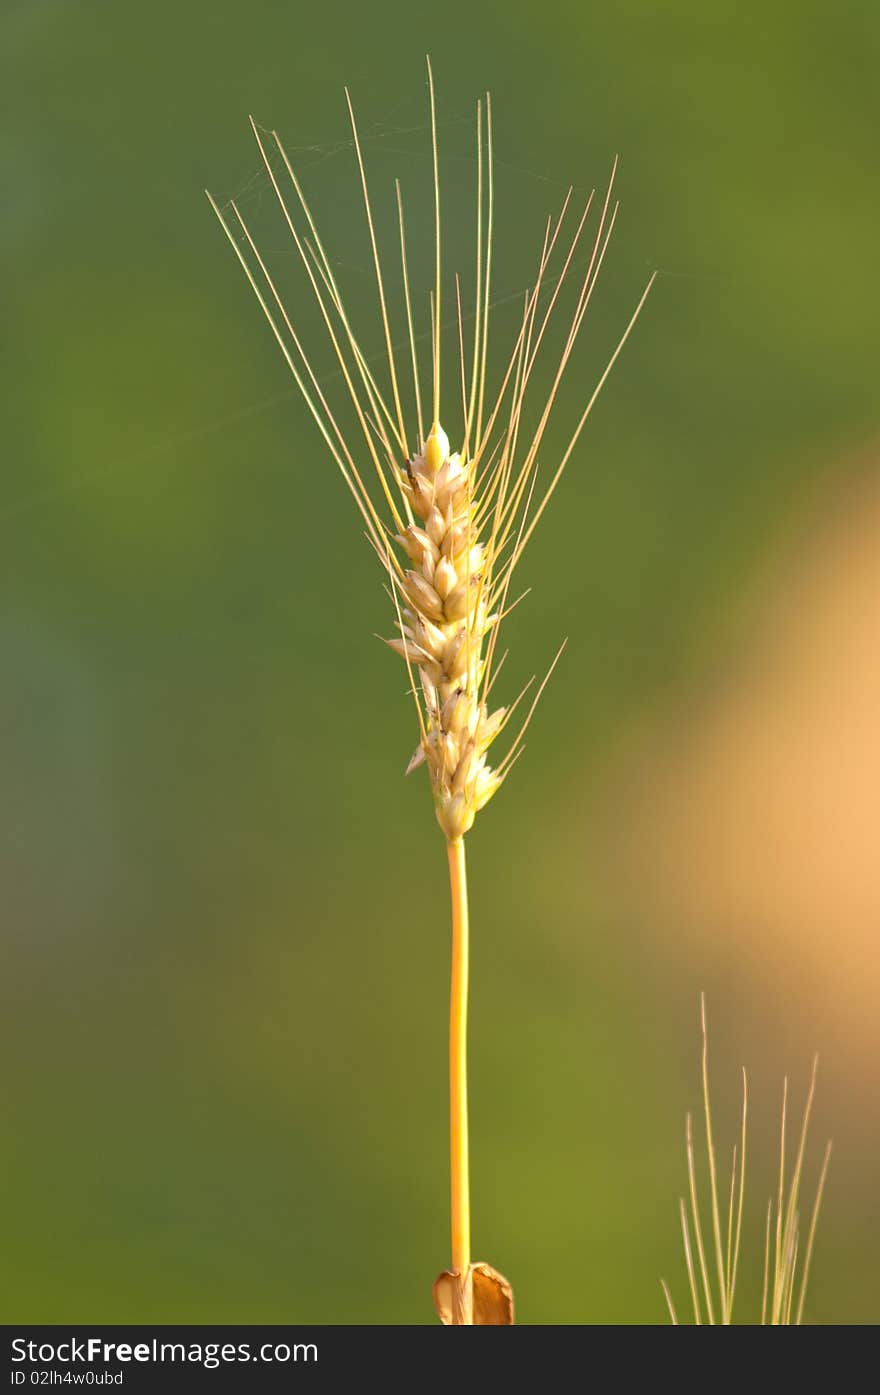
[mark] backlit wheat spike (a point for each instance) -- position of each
(449, 525)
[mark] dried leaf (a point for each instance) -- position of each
(492, 1297)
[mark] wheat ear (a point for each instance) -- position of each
(449, 528)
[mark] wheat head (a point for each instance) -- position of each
(462, 518)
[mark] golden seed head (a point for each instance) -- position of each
(444, 623)
(453, 589)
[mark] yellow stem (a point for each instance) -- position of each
(458, 1115)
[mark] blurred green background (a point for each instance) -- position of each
(224, 910)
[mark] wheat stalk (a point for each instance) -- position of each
(780, 1259)
(449, 528)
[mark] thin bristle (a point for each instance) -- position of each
(472, 398)
(766, 1263)
(487, 278)
(742, 1186)
(377, 265)
(695, 1215)
(799, 1161)
(812, 1233)
(437, 253)
(780, 1254)
(728, 1263)
(669, 1303)
(689, 1262)
(460, 322)
(417, 390)
(713, 1173)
